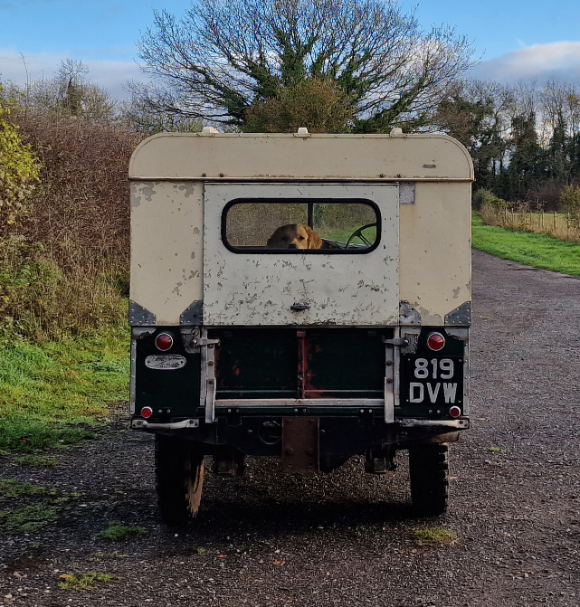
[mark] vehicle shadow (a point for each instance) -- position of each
(266, 504)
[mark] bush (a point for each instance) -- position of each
(83, 203)
(18, 168)
(40, 299)
(65, 269)
(316, 104)
(570, 200)
(547, 195)
(483, 197)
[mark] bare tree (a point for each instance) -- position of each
(225, 57)
(70, 93)
(141, 117)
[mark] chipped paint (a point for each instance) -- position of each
(169, 266)
(261, 157)
(148, 192)
(186, 189)
(254, 290)
(165, 275)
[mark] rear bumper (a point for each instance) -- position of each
(339, 436)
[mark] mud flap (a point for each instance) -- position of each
(300, 445)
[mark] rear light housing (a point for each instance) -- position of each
(164, 342)
(435, 341)
(146, 412)
(454, 411)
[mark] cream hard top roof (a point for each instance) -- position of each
(231, 156)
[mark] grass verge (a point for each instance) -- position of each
(536, 250)
(53, 394)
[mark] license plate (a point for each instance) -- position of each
(431, 381)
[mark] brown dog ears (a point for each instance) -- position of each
(314, 240)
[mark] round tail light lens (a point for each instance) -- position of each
(164, 342)
(435, 342)
(146, 412)
(455, 411)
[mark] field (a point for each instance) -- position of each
(557, 225)
(537, 250)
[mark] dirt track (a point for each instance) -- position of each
(348, 538)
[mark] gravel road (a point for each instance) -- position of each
(345, 538)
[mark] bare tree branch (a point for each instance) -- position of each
(225, 57)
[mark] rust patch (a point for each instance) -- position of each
(307, 352)
(312, 350)
(300, 445)
(216, 360)
(302, 364)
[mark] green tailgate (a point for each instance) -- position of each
(300, 363)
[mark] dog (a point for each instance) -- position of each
(294, 236)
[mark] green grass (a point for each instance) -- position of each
(83, 582)
(13, 488)
(36, 461)
(536, 250)
(435, 537)
(43, 506)
(53, 393)
(27, 518)
(117, 532)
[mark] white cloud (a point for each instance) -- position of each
(540, 62)
(111, 75)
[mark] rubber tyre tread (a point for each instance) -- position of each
(172, 479)
(429, 471)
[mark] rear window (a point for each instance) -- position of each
(298, 226)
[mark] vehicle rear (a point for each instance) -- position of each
(247, 345)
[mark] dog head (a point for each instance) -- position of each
(294, 236)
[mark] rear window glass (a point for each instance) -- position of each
(298, 226)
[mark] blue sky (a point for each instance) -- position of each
(515, 39)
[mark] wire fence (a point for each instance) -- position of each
(565, 226)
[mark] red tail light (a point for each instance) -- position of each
(164, 342)
(455, 411)
(435, 342)
(146, 412)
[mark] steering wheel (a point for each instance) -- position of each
(359, 234)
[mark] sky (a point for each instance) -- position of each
(513, 39)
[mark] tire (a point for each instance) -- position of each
(178, 479)
(429, 471)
